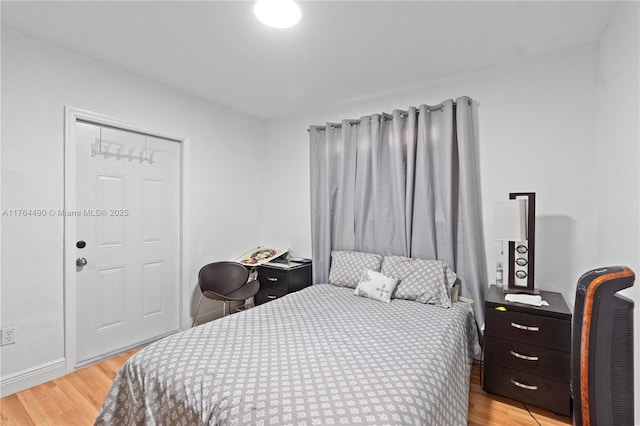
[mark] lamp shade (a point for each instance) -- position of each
(510, 220)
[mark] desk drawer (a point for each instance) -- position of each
(266, 294)
(532, 329)
(523, 356)
(274, 279)
(529, 388)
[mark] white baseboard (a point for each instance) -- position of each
(211, 315)
(32, 376)
(42, 373)
(115, 352)
(207, 316)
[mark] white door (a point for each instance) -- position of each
(128, 205)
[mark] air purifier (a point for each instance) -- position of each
(602, 349)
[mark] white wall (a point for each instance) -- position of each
(617, 179)
(536, 133)
(544, 126)
(38, 80)
(565, 126)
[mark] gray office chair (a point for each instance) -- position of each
(227, 282)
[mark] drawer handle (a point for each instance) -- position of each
(272, 278)
(525, 357)
(271, 296)
(523, 386)
(525, 327)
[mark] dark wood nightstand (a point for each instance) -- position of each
(527, 350)
(276, 282)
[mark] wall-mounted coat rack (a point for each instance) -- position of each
(110, 149)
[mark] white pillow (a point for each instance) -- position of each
(375, 286)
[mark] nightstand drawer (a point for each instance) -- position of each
(266, 294)
(526, 357)
(276, 282)
(532, 329)
(274, 278)
(529, 388)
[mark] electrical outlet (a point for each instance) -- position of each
(8, 336)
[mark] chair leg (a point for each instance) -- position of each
(224, 309)
(196, 314)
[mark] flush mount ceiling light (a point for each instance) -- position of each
(277, 13)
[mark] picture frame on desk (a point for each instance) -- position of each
(260, 255)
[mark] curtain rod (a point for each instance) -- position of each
(385, 116)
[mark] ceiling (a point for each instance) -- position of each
(340, 51)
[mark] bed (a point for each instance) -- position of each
(317, 356)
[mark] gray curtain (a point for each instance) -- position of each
(405, 183)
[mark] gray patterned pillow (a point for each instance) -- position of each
(347, 267)
(424, 281)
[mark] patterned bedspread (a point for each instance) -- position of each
(315, 357)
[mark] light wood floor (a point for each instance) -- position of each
(76, 398)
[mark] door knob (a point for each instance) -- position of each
(81, 261)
